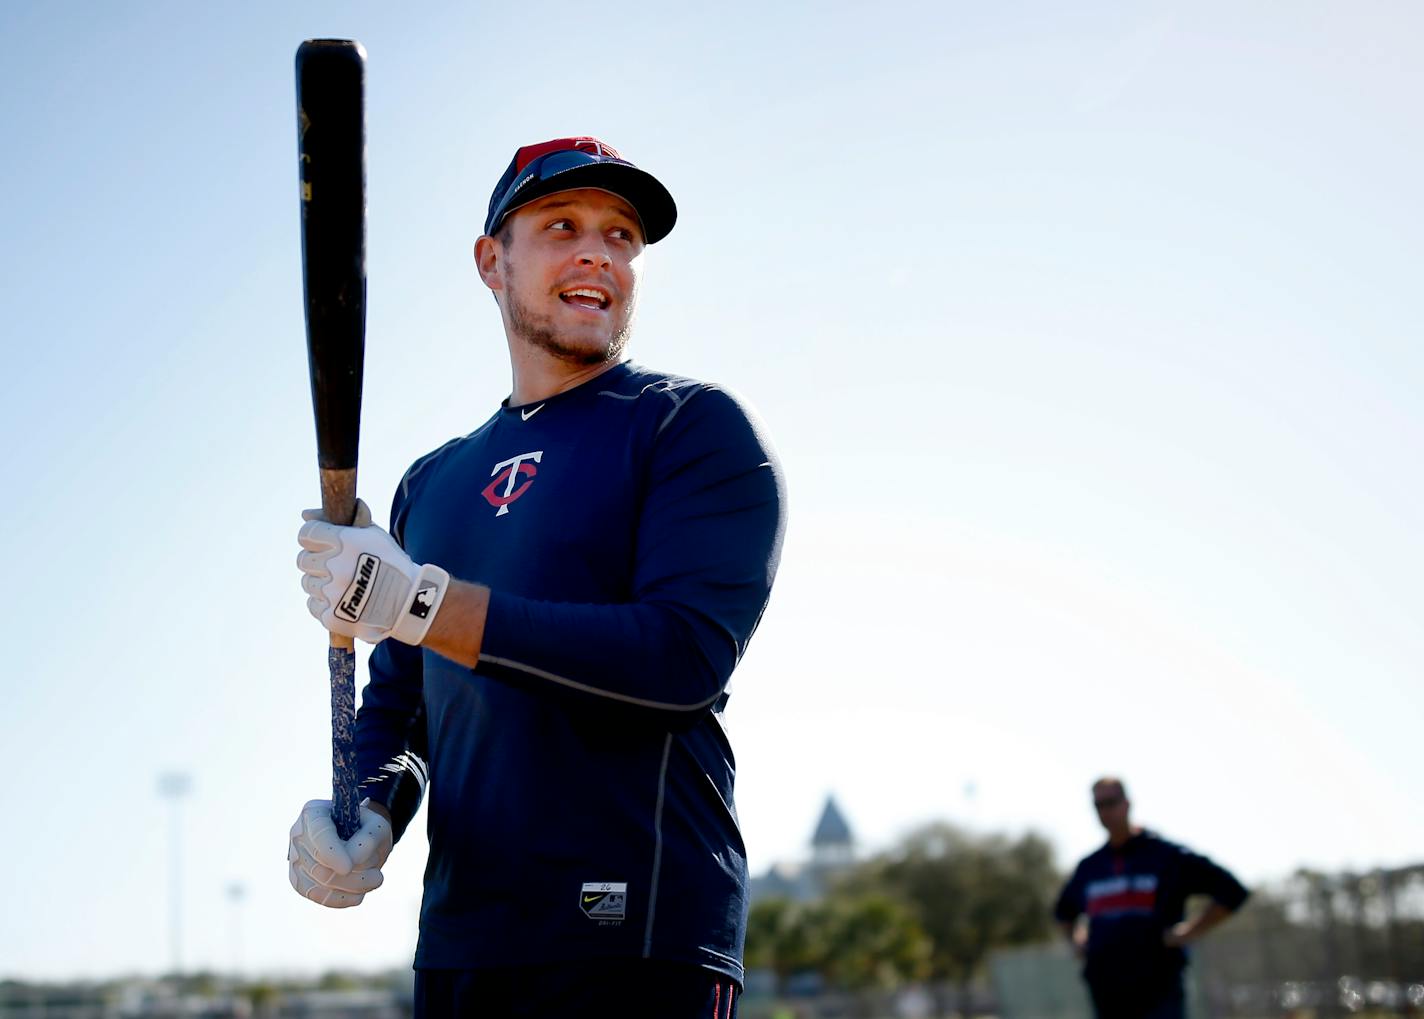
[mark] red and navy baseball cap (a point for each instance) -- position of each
(567, 163)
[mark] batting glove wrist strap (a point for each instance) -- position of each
(427, 594)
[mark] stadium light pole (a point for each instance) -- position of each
(236, 892)
(173, 786)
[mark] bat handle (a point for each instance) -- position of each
(338, 504)
(345, 786)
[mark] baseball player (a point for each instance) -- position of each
(556, 611)
(1133, 892)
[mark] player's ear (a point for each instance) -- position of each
(489, 260)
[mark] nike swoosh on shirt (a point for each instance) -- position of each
(527, 414)
(592, 898)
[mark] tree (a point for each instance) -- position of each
(858, 943)
(970, 894)
(785, 937)
(339, 980)
(870, 942)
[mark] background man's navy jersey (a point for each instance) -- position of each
(580, 779)
(1132, 894)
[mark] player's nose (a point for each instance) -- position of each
(595, 255)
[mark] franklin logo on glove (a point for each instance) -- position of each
(349, 608)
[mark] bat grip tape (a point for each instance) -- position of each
(345, 787)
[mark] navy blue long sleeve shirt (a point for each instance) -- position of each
(580, 778)
(1132, 894)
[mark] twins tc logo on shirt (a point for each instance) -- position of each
(512, 479)
(1124, 895)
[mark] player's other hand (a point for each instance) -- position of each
(1177, 936)
(360, 583)
(329, 871)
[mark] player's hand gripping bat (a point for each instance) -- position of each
(331, 132)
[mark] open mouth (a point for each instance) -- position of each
(585, 297)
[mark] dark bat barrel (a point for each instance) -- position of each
(331, 78)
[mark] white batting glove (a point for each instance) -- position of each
(329, 871)
(360, 583)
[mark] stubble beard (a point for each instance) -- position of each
(538, 332)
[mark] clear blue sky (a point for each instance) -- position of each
(1086, 335)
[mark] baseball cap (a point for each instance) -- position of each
(567, 163)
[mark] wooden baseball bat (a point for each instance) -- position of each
(331, 128)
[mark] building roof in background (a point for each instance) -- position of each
(832, 829)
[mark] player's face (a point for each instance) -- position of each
(1111, 805)
(570, 275)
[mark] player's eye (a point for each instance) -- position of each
(562, 224)
(628, 235)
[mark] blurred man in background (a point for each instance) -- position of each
(1133, 893)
